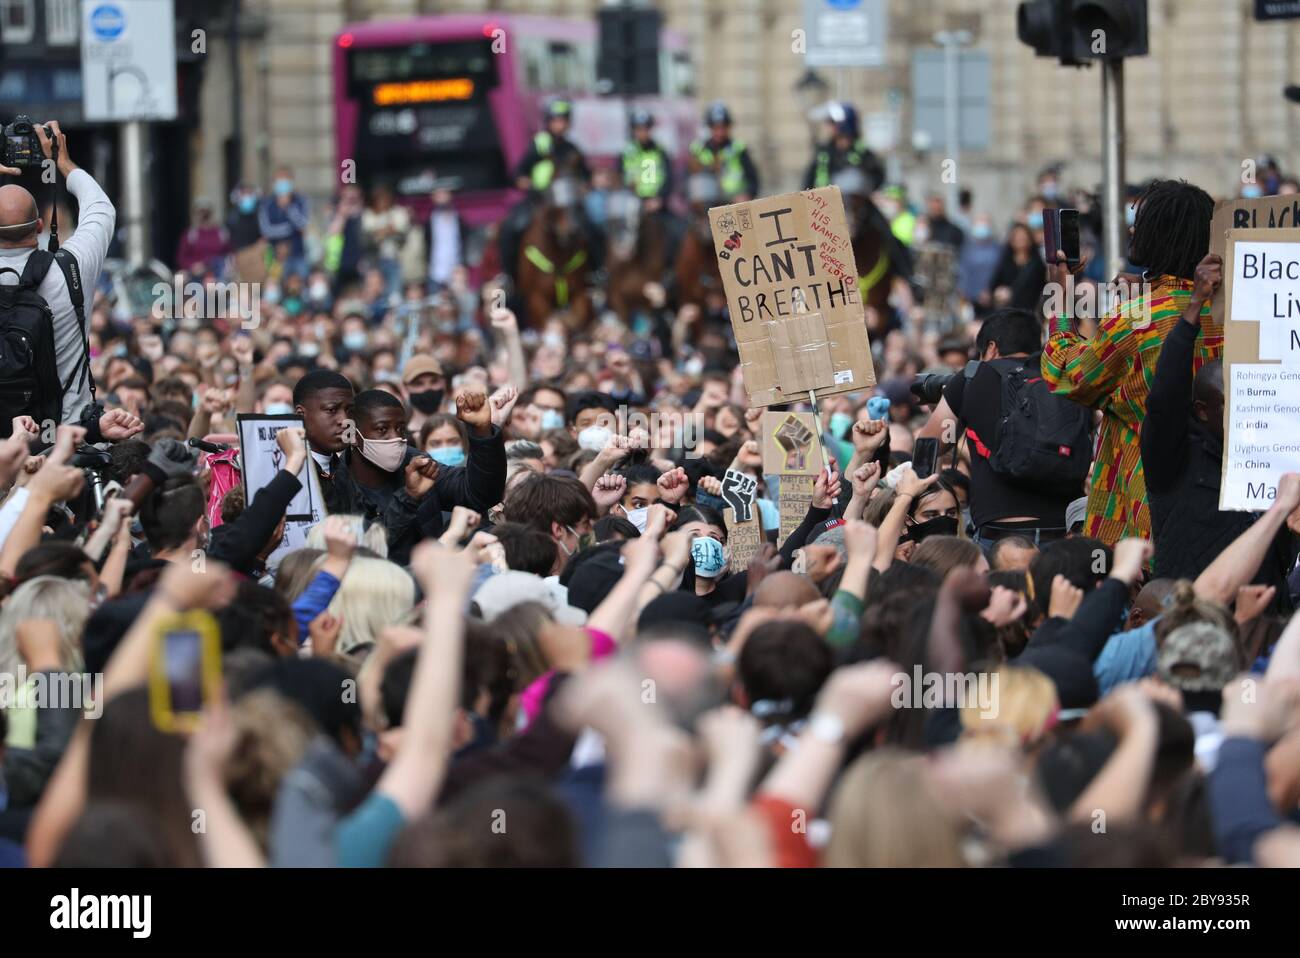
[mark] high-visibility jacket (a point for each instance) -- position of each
(645, 169)
(544, 169)
(731, 168)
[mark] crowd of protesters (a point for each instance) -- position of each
(519, 637)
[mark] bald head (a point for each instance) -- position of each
(1209, 381)
(19, 219)
(1207, 398)
(781, 589)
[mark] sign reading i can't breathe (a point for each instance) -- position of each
(792, 291)
(128, 60)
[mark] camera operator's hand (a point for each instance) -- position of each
(173, 457)
(66, 166)
(118, 424)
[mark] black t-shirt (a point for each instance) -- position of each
(977, 404)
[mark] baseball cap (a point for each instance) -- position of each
(418, 366)
(505, 590)
(592, 573)
(1197, 657)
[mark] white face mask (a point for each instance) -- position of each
(594, 438)
(638, 517)
(387, 454)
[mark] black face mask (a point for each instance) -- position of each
(938, 526)
(427, 402)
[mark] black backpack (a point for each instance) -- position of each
(1042, 439)
(29, 375)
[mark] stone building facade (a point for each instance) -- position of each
(1208, 98)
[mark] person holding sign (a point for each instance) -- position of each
(1182, 455)
(1112, 370)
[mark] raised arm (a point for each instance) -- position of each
(1087, 370)
(906, 491)
(1118, 790)
(506, 326)
(617, 611)
(413, 777)
(1237, 565)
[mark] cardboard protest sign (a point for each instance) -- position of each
(744, 540)
(794, 499)
(744, 528)
(1261, 364)
(738, 491)
(791, 446)
(792, 289)
(261, 460)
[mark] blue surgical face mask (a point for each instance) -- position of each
(1131, 215)
(355, 341)
(449, 456)
(279, 409)
(840, 424)
(1051, 189)
(283, 187)
(247, 204)
(552, 419)
(1035, 221)
(981, 231)
(708, 556)
(308, 349)
(1252, 191)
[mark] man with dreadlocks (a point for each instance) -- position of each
(1112, 371)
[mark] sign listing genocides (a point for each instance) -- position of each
(792, 290)
(1261, 365)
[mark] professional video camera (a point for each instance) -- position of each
(22, 147)
(928, 387)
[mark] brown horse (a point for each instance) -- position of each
(696, 268)
(554, 270)
(879, 256)
(638, 252)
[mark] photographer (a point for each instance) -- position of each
(20, 227)
(973, 401)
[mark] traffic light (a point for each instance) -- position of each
(628, 59)
(1076, 31)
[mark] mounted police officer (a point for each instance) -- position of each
(550, 154)
(843, 148)
(647, 170)
(727, 158)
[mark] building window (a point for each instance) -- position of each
(18, 20)
(62, 22)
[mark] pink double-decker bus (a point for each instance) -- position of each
(456, 99)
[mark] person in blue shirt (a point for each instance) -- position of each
(283, 217)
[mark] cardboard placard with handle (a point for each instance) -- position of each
(792, 290)
(792, 451)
